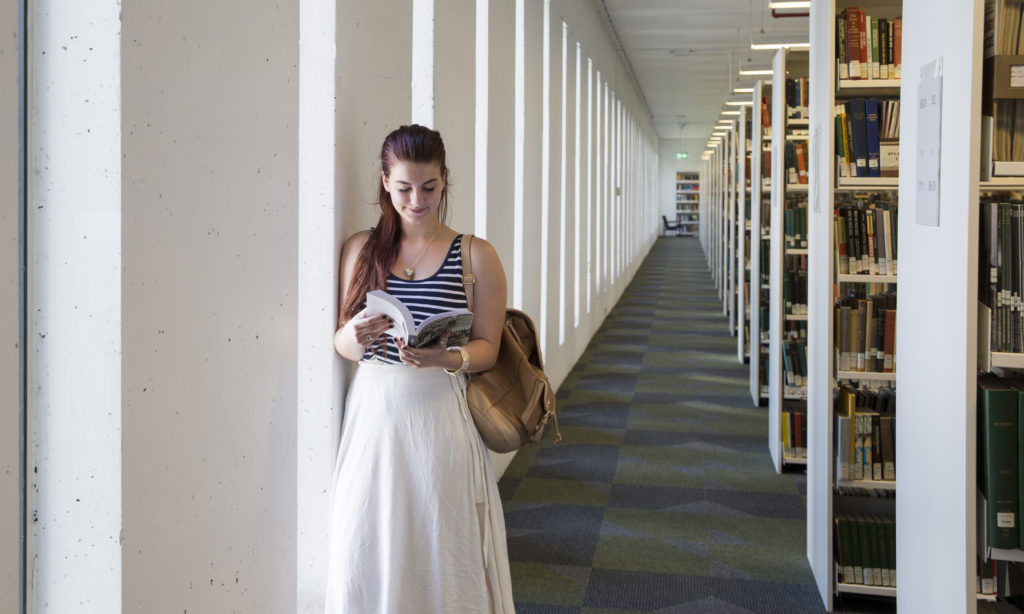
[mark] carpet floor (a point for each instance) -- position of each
(662, 497)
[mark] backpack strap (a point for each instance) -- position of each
(468, 278)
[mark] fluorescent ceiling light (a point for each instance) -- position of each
(750, 68)
(805, 4)
(743, 90)
(778, 40)
(738, 101)
(724, 112)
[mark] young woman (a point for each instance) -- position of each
(416, 519)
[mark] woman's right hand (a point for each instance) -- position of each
(360, 332)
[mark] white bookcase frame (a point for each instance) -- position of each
(757, 227)
(742, 267)
(777, 399)
(822, 501)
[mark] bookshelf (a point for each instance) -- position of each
(688, 203)
(835, 498)
(787, 326)
(743, 234)
(730, 199)
(941, 550)
(760, 199)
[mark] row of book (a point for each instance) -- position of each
(865, 549)
(793, 425)
(1000, 449)
(794, 284)
(1002, 272)
(795, 153)
(866, 434)
(867, 137)
(794, 223)
(1003, 20)
(797, 97)
(866, 238)
(868, 47)
(766, 116)
(865, 336)
(794, 364)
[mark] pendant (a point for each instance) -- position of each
(408, 272)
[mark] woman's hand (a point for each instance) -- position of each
(436, 355)
(360, 332)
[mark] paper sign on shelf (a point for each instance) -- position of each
(929, 143)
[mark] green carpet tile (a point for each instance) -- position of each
(662, 496)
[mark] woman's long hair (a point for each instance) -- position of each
(413, 143)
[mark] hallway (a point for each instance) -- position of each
(662, 497)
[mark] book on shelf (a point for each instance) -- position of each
(865, 434)
(1002, 99)
(999, 433)
(793, 426)
(865, 238)
(866, 332)
(457, 322)
(1001, 275)
(867, 137)
(868, 47)
(865, 549)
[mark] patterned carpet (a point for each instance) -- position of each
(662, 497)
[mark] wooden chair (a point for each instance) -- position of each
(667, 226)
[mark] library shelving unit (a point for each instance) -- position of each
(688, 203)
(836, 499)
(742, 301)
(939, 550)
(760, 199)
(787, 390)
(730, 228)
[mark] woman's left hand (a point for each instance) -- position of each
(436, 355)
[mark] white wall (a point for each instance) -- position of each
(10, 377)
(198, 219)
(210, 243)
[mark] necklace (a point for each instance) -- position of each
(409, 270)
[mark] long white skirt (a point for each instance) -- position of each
(416, 519)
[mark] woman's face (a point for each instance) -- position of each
(415, 190)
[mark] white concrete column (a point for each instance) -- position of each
(319, 368)
(75, 270)
(10, 301)
(454, 103)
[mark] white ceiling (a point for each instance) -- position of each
(686, 54)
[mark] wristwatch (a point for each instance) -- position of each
(465, 361)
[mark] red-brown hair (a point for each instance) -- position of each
(413, 143)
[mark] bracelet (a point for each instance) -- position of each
(465, 362)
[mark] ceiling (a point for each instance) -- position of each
(685, 55)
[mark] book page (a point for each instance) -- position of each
(378, 301)
(458, 323)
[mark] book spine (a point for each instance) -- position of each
(999, 428)
(853, 42)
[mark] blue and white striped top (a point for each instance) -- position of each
(441, 291)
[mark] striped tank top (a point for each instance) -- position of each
(424, 297)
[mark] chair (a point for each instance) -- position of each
(666, 226)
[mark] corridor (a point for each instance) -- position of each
(661, 497)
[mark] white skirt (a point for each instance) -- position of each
(416, 518)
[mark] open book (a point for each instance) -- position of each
(457, 321)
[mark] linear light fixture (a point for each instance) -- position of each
(729, 112)
(804, 4)
(747, 89)
(778, 40)
(739, 101)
